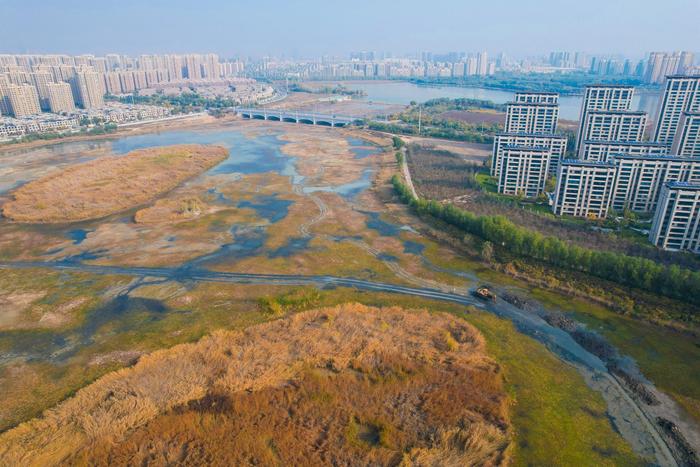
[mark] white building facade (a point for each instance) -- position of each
(524, 171)
(602, 98)
(603, 150)
(676, 224)
(682, 94)
(555, 143)
(583, 189)
(687, 139)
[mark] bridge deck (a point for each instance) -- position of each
(296, 116)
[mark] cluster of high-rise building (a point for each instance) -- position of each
(662, 64)
(651, 69)
(30, 84)
(615, 168)
(368, 65)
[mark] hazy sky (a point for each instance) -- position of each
(314, 27)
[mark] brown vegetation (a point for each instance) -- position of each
(167, 210)
(474, 116)
(347, 385)
(109, 184)
(439, 174)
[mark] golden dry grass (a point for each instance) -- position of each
(109, 184)
(347, 385)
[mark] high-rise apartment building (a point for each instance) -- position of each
(126, 81)
(193, 65)
(602, 98)
(471, 66)
(583, 188)
(140, 81)
(524, 171)
(5, 108)
(612, 125)
(112, 83)
(686, 62)
(24, 100)
(639, 179)
(531, 117)
(663, 64)
(175, 66)
(687, 139)
(89, 89)
(482, 65)
(60, 97)
(537, 97)
(211, 67)
(41, 80)
(676, 224)
(682, 94)
(556, 144)
(603, 150)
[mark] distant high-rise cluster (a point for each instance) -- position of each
(616, 169)
(662, 64)
(652, 69)
(89, 78)
(374, 65)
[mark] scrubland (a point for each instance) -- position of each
(109, 184)
(350, 384)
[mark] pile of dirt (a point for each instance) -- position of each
(350, 385)
(109, 184)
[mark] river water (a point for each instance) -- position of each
(400, 92)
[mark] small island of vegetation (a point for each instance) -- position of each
(109, 184)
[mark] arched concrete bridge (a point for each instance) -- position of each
(294, 116)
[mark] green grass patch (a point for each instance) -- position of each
(487, 182)
(557, 419)
(667, 357)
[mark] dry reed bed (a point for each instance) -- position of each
(344, 385)
(109, 184)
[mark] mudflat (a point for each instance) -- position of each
(109, 184)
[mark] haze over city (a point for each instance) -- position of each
(319, 27)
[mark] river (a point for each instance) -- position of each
(400, 92)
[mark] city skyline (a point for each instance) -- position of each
(314, 28)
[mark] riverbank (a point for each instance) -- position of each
(404, 92)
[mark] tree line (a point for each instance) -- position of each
(471, 136)
(670, 281)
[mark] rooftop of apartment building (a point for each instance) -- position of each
(684, 185)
